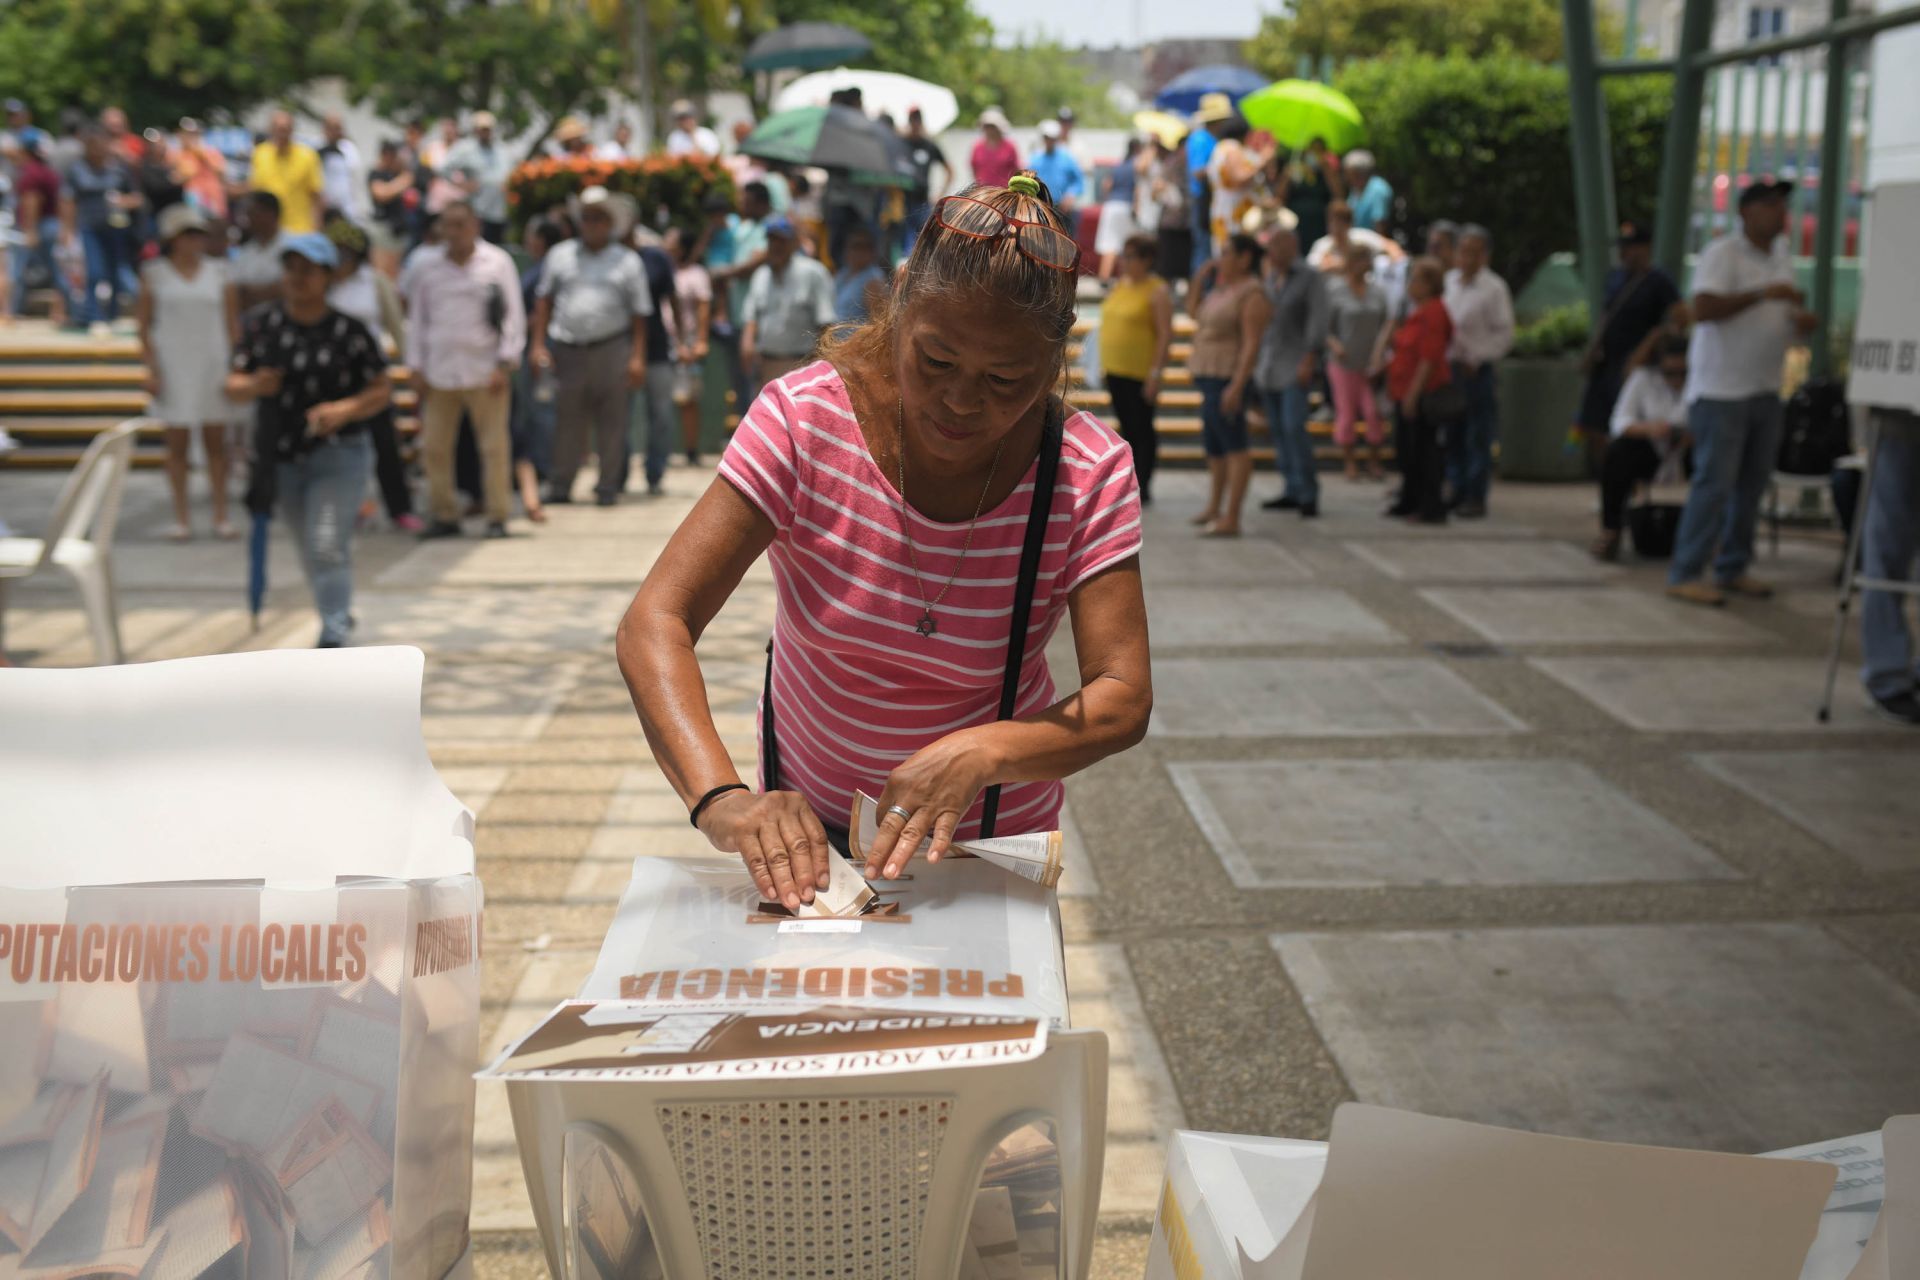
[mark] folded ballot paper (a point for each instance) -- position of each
(239, 985)
(1405, 1195)
(1035, 856)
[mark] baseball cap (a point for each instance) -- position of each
(1632, 232)
(779, 225)
(1050, 128)
(312, 246)
(15, 106)
(1765, 189)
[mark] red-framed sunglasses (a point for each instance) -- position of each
(1039, 241)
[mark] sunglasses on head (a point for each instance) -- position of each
(1038, 241)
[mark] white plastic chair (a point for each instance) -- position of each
(79, 537)
(857, 1177)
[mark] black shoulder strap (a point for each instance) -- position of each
(1045, 473)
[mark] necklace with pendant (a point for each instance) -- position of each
(927, 626)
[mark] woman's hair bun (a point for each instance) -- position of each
(1028, 183)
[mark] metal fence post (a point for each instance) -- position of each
(1827, 228)
(1592, 161)
(1681, 152)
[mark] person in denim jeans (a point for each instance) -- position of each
(1889, 545)
(105, 204)
(1747, 309)
(36, 193)
(1289, 351)
(1230, 312)
(1481, 308)
(318, 376)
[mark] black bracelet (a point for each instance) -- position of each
(700, 806)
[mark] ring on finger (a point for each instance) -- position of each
(904, 814)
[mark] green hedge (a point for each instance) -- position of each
(1486, 140)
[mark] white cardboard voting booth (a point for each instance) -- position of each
(870, 1096)
(1399, 1194)
(239, 973)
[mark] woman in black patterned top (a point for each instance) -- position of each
(317, 376)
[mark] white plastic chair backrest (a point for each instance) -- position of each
(89, 504)
(857, 1177)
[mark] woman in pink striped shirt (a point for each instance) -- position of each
(891, 484)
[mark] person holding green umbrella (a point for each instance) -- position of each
(1315, 122)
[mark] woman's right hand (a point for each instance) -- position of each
(778, 837)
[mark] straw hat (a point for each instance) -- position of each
(571, 129)
(621, 208)
(1214, 106)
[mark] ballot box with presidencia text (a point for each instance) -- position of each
(239, 973)
(785, 1062)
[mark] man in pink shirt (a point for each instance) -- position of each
(995, 158)
(466, 329)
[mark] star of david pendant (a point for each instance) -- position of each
(926, 625)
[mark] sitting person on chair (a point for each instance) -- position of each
(1649, 427)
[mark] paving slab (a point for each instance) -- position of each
(1863, 803)
(1709, 695)
(1740, 1037)
(493, 700)
(493, 620)
(1318, 697)
(1379, 823)
(1185, 559)
(1588, 615)
(1479, 560)
(1184, 615)
(533, 560)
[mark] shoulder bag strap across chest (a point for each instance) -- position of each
(1046, 472)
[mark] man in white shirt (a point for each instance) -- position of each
(689, 136)
(466, 330)
(341, 172)
(1747, 310)
(618, 147)
(1481, 307)
(590, 328)
(789, 301)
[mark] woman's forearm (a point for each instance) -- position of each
(655, 649)
(1102, 718)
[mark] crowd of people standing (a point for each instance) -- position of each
(1298, 292)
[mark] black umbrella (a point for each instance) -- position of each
(836, 137)
(807, 45)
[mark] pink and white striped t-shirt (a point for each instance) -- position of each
(856, 690)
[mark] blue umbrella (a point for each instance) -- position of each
(1184, 91)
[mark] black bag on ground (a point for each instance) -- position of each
(1653, 527)
(1816, 431)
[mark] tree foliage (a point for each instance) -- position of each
(418, 59)
(1486, 140)
(161, 59)
(1317, 31)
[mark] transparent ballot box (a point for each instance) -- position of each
(239, 1020)
(736, 1094)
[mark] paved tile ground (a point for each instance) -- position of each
(1451, 818)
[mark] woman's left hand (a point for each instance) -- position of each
(937, 785)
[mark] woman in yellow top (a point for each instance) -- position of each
(1136, 328)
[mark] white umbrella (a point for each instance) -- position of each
(880, 92)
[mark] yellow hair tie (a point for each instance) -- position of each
(1025, 184)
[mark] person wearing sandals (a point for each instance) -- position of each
(1649, 428)
(1230, 317)
(932, 511)
(188, 315)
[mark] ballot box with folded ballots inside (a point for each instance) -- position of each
(715, 1034)
(239, 982)
(1393, 1193)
